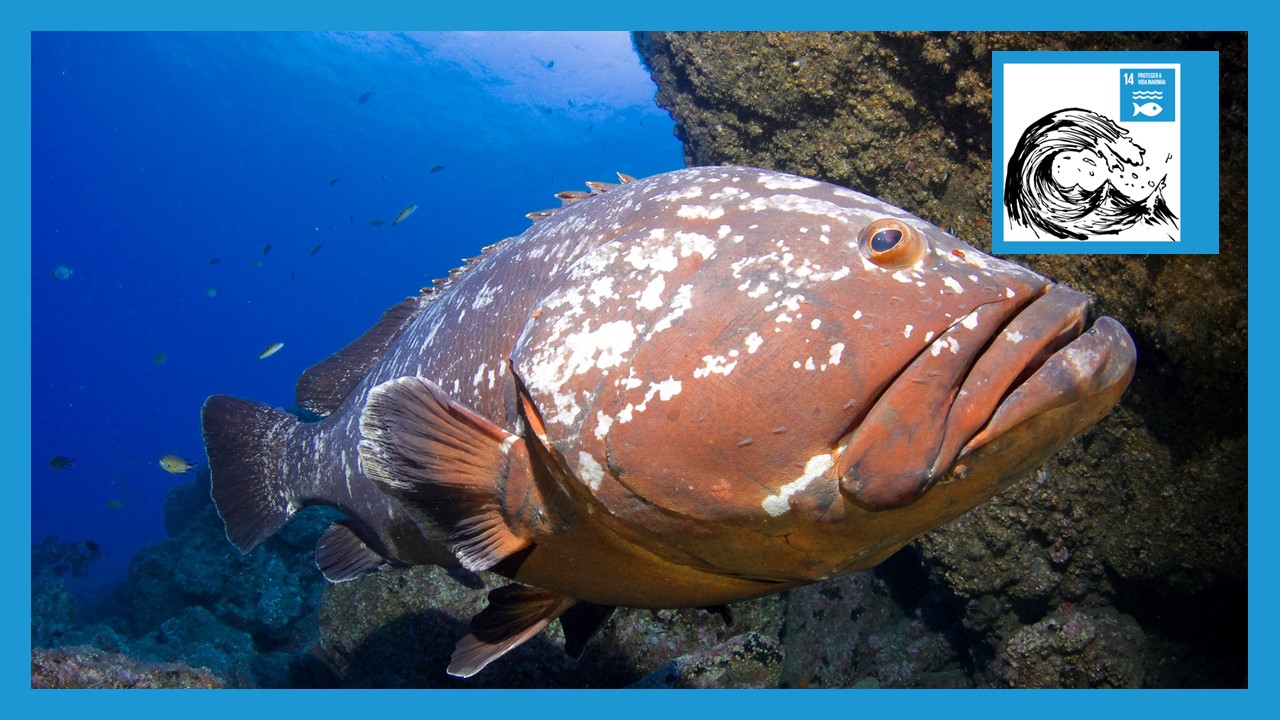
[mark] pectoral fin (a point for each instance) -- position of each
(446, 462)
(515, 613)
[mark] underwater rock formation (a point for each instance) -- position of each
(193, 600)
(1144, 515)
(55, 558)
(1077, 649)
(89, 667)
(750, 660)
(54, 611)
(852, 631)
(398, 629)
(196, 598)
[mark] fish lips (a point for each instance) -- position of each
(1024, 384)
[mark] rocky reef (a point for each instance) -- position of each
(398, 629)
(193, 612)
(89, 667)
(1134, 528)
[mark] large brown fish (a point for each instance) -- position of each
(709, 385)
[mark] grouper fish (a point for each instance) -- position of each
(709, 385)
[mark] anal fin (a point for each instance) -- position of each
(445, 461)
(341, 555)
(515, 613)
(580, 623)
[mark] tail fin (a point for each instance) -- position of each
(246, 442)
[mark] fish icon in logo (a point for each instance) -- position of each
(1150, 109)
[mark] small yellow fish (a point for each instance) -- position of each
(115, 504)
(160, 358)
(404, 214)
(176, 465)
(272, 349)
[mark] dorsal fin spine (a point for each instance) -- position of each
(573, 197)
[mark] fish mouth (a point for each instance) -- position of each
(1025, 382)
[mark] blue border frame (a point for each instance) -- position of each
(1200, 141)
(15, 272)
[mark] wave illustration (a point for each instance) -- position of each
(1148, 95)
(1036, 200)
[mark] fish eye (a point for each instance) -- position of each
(885, 240)
(891, 243)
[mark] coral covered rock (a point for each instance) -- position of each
(398, 629)
(745, 661)
(89, 667)
(1076, 649)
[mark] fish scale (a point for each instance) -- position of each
(704, 386)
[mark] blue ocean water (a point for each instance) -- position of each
(153, 154)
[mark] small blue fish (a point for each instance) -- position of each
(1151, 109)
(62, 272)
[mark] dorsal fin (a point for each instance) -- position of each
(324, 385)
(572, 197)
